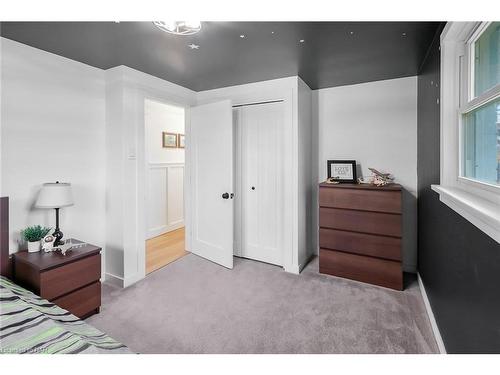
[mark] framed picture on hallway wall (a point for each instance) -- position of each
(169, 140)
(180, 141)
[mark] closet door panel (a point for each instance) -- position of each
(250, 164)
(270, 193)
(262, 182)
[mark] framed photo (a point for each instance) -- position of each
(181, 141)
(342, 170)
(169, 140)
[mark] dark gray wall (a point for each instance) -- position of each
(458, 263)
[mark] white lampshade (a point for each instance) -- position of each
(55, 195)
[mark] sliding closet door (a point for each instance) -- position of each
(261, 178)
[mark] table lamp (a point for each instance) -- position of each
(55, 195)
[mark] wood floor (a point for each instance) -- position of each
(164, 249)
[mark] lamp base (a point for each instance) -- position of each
(58, 235)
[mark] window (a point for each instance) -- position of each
(480, 146)
(470, 123)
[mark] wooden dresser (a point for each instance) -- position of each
(71, 281)
(360, 232)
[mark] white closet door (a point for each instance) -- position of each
(261, 190)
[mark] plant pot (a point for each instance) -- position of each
(33, 247)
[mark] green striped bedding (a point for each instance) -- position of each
(30, 324)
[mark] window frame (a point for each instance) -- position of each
(476, 201)
(469, 102)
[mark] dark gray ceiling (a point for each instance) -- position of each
(333, 53)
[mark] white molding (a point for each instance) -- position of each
(169, 226)
(122, 282)
(432, 318)
(482, 213)
(165, 164)
(477, 202)
(113, 280)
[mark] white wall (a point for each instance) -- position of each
(52, 124)
(374, 123)
(160, 117)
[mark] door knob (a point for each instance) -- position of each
(225, 196)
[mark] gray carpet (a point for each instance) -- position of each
(195, 306)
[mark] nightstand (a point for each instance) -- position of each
(71, 281)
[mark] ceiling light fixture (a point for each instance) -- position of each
(403, 34)
(193, 46)
(179, 27)
(242, 36)
(302, 41)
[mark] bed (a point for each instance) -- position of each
(30, 324)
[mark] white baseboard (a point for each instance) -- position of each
(434, 326)
(113, 279)
(122, 282)
(155, 232)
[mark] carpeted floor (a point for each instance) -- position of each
(195, 306)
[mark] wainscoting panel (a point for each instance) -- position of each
(165, 200)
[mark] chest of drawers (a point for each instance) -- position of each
(360, 233)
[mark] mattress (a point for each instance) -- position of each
(30, 324)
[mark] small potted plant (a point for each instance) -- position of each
(33, 235)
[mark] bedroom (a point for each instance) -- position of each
(280, 254)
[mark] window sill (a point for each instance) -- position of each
(482, 213)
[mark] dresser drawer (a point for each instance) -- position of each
(361, 243)
(381, 272)
(360, 221)
(83, 301)
(358, 199)
(62, 280)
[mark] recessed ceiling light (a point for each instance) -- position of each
(272, 32)
(302, 41)
(403, 34)
(351, 32)
(193, 46)
(242, 36)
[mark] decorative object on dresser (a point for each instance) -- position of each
(341, 171)
(71, 281)
(55, 195)
(33, 235)
(378, 178)
(360, 233)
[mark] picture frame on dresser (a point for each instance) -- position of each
(342, 171)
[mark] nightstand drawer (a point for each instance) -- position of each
(83, 301)
(65, 279)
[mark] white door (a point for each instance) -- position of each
(211, 150)
(260, 179)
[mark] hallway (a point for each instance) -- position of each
(164, 249)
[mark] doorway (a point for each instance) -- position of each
(165, 180)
